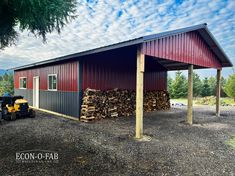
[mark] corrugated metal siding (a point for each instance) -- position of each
(155, 80)
(62, 102)
(67, 75)
(66, 100)
(67, 103)
(113, 69)
(115, 75)
(103, 77)
(26, 93)
(185, 47)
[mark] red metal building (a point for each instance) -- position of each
(57, 84)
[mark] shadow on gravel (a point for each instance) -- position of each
(108, 147)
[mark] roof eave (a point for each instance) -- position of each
(174, 32)
(199, 27)
(228, 63)
(225, 62)
(84, 53)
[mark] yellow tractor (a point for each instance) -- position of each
(12, 107)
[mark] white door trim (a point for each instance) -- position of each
(36, 85)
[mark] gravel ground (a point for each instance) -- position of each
(108, 147)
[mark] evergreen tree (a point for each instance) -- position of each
(10, 85)
(223, 83)
(212, 85)
(197, 85)
(5, 77)
(37, 16)
(1, 78)
(205, 88)
(179, 86)
(170, 86)
(230, 86)
(7, 84)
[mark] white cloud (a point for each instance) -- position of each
(98, 24)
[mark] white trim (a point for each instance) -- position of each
(36, 92)
(57, 114)
(48, 82)
(26, 82)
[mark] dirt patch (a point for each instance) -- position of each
(108, 147)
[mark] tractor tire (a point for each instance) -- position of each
(32, 113)
(13, 116)
(5, 114)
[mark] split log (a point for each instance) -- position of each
(115, 103)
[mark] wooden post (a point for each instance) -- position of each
(218, 88)
(190, 95)
(139, 93)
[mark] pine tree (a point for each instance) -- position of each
(230, 86)
(7, 84)
(197, 85)
(5, 77)
(37, 16)
(212, 85)
(10, 84)
(205, 88)
(170, 86)
(179, 86)
(223, 83)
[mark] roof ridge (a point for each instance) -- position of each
(131, 42)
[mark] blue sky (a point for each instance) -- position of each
(103, 22)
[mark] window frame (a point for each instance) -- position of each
(48, 82)
(23, 77)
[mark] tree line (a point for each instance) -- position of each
(178, 87)
(7, 84)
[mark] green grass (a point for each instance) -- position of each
(229, 101)
(180, 100)
(231, 142)
(198, 101)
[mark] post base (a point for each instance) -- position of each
(144, 138)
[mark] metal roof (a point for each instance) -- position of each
(201, 29)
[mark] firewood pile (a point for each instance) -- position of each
(99, 104)
(156, 100)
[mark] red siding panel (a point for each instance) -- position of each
(155, 80)
(186, 47)
(67, 79)
(107, 70)
(104, 77)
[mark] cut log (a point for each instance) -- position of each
(115, 103)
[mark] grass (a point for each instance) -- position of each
(229, 101)
(231, 142)
(199, 101)
(180, 100)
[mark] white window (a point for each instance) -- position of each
(23, 82)
(52, 82)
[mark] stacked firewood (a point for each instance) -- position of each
(156, 100)
(88, 107)
(115, 103)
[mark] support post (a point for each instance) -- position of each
(218, 89)
(190, 95)
(139, 93)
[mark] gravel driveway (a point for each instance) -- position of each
(107, 147)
